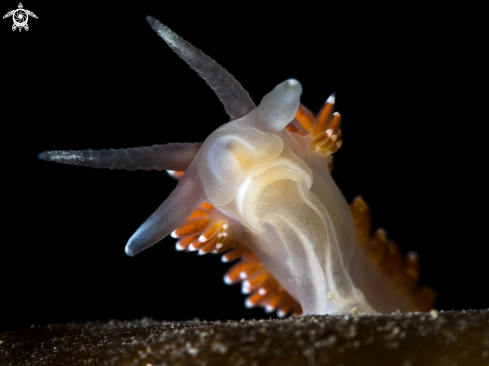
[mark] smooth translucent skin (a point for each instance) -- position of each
(279, 195)
(280, 199)
(275, 192)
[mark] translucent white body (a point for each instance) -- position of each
(272, 188)
(281, 201)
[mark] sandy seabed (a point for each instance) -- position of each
(452, 338)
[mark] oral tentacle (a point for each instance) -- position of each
(174, 156)
(180, 204)
(236, 100)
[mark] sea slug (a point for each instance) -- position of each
(259, 189)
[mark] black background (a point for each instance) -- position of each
(409, 84)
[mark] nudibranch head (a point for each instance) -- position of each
(259, 190)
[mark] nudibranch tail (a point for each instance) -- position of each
(174, 156)
(237, 102)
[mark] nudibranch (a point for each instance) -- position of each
(259, 190)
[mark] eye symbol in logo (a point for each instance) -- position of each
(20, 17)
